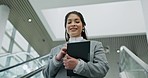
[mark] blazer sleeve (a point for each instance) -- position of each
(52, 66)
(97, 68)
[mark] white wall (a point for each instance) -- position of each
(145, 11)
(4, 13)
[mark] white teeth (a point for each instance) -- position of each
(73, 29)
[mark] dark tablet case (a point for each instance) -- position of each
(78, 50)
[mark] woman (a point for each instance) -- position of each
(60, 61)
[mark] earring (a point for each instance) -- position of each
(83, 30)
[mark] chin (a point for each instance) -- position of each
(73, 34)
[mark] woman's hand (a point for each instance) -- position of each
(69, 62)
(61, 54)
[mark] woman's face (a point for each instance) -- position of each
(74, 25)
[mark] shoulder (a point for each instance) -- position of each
(95, 42)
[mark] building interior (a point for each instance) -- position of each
(29, 29)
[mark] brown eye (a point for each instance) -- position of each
(69, 22)
(77, 21)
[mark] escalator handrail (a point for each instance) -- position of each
(4, 54)
(11, 54)
(123, 75)
(7, 68)
(33, 72)
(137, 59)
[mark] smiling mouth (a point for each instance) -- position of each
(73, 29)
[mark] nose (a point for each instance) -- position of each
(73, 23)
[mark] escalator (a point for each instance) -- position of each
(130, 66)
(15, 66)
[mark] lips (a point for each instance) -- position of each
(73, 28)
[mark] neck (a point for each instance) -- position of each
(75, 39)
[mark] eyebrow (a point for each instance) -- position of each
(71, 19)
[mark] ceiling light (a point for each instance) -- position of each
(29, 20)
(118, 51)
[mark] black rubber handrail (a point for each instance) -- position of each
(33, 72)
(7, 68)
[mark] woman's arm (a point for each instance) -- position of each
(53, 65)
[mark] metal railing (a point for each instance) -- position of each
(23, 68)
(35, 74)
(131, 65)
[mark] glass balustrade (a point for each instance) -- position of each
(38, 75)
(131, 65)
(22, 69)
(8, 59)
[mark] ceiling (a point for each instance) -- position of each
(34, 32)
(126, 14)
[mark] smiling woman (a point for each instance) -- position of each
(74, 25)
(60, 61)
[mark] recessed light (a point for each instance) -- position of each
(118, 51)
(29, 20)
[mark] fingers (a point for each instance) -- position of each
(64, 49)
(65, 62)
(62, 53)
(69, 62)
(68, 57)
